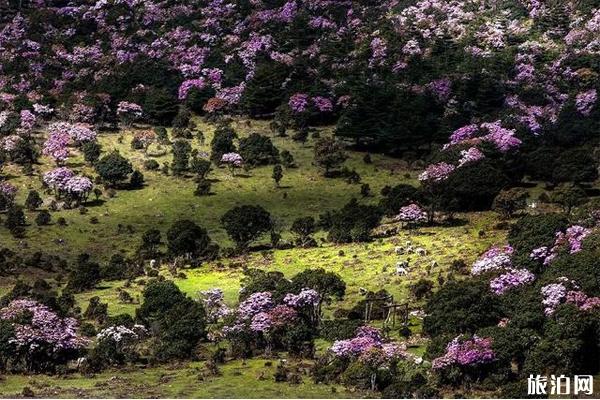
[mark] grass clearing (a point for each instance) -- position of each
(165, 199)
(186, 380)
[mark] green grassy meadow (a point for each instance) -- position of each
(165, 199)
(238, 379)
(123, 218)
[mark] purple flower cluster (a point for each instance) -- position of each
(261, 322)
(496, 258)
(464, 133)
(412, 214)
(188, 85)
(504, 139)
(585, 101)
(441, 89)
(28, 120)
(81, 133)
(571, 240)
(323, 104)
(78, 186)
(254, 304)
(466, 352)
(306, 297)
(365, 338)
(120, 334)
(57, 145)
(554, 294)
(8, 191)
(378, 52)
(437, 172)
(57, 178)
(299, 102)
(511, 279)
(214, 304)
(129, 112)
(46, 328)
(470, 155)
(233, 159)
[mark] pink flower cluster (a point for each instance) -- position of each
(466, 352)
(412, 213)
(233, 159)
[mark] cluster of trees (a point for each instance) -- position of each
(526, 337)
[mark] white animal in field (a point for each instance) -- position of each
(153, 263)
(421, 251)
(402, 268)
(80, 362)
(399, 250)
(410, 250)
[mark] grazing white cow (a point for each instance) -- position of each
(410, 250)
(421, 251)
(399, 250)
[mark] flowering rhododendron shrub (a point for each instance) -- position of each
(40, 338)
(436, 172)
(411, 214)
(511, 279)
(214, 305)
(570, 241)
(365, 340)
(565, 290)
(129, 112)
(466, 352)
(496, 258)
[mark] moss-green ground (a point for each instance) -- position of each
(249, 379)
(369, 265)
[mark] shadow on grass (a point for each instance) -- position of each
(95, 203)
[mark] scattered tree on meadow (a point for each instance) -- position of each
(113, 168)
(245, 224)
(329, 154)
